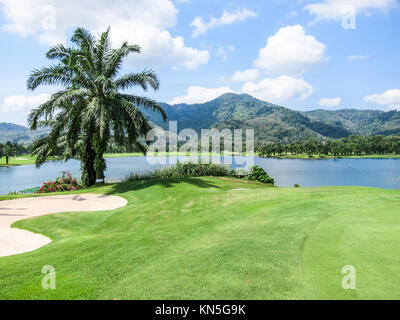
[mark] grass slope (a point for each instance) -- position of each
(324, 156)
(210, 238)
(18, 160)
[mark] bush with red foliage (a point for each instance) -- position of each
(64, 183)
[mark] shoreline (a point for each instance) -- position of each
(328, 157)
(30, 160)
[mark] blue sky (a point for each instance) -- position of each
(301, 54)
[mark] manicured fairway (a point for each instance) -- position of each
(18, 160)
(324, 156)
(210, 238)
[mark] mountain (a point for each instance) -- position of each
(363, 122)
(271, 122)
(16, 133)
(276, 123)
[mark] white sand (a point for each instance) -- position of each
(15, 241)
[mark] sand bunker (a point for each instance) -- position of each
(15, 241)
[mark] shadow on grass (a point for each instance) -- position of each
(124, 187)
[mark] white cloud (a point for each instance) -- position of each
(223, 51)
(356, 57)
(15, 103)
(336, 9)
(140, 22)
(197, 94)
(290, 51)
(330, 102)
(277, 90)
(245, 76)
(390, 97)
(226, 19)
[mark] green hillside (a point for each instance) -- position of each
(272, 123)
(363, 122)
(20, 134)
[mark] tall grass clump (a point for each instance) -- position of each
(186, 170)
(182, 170)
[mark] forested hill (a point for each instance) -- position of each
(20, 134)
(279, 124)
(363, 122)
(272, 123)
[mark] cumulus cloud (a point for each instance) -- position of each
(245, 76)
(197, 94)
(15, 103)
(277, 90)
(336, 9)
(290, 51)
(140, 22)
(330, 102)
(227, 18)
(390, 97)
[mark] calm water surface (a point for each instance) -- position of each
(380, 173)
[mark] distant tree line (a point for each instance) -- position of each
(12, 149)
(353, 145)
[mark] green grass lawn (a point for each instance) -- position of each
(323, 156)
(213, 238)
(18, 160)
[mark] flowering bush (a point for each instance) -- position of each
(63, 183)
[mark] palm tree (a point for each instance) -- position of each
(7, 151)
(91, 109)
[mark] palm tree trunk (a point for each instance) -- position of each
(87, 166)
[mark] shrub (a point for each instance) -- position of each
(63, 183)
(185, 170)
(14, 193)
(297, 185)
(258, 174)
(181, 170)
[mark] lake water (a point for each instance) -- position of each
(380, 173)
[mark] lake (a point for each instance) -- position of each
(380, 173)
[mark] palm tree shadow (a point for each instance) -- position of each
(124, 187)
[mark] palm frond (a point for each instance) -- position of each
(114, 61)
(102, 49)
(83, 38)
(145, 103)
(54, 75)
(57, 101)
(143, 80)
(58, 52)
